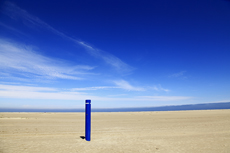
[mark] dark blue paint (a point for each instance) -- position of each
(87, 119)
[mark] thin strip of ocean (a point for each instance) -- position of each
(206, 106)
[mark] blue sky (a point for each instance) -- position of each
(56, 54)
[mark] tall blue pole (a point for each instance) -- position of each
(87, 119)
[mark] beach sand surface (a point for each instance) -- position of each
(201, 131)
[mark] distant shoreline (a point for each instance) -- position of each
(206, 106)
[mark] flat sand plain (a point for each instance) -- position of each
(206, 131)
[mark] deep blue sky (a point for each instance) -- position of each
(56, 54)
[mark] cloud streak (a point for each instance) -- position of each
(93, 88)
(16, 12)
(163, 98)
(110, 59)
(159, 88)
(12, 29)
(126, 86)
(30, 92)
(23, 61)
(178, 74)
(25, 88)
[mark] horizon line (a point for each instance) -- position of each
(114, 107)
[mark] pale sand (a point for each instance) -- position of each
(162, 132)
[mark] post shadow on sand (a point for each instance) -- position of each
(83, 137)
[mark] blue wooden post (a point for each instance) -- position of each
(87, 119)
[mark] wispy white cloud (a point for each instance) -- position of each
(16, 12)
(92, 88)
(178, 74)
(25, 88)
(159, 88)
(42, 95)
(117, 95)
(29, 20)
(21, 60)
(163, 98)
(125, 85)
(225, 100)
(31, 92)
(122, 84)
(110, 59)
(12, 29)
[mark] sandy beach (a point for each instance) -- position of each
(126, 132)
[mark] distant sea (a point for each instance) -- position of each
(206, 106)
